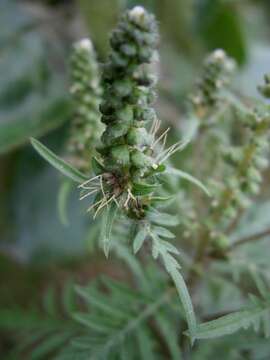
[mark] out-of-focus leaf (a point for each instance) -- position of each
(62, 166)
(220, 25)
(33, 95)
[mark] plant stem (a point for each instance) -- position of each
(251, 238)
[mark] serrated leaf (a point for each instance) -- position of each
(110, 215)
(50, 344)
(140, 189)
(261, 286)
(163, 218)
(97, 300)
(167, 329)
(62, 166)
(139, 239)
(93, 322)
(170, 247)
(228, 324)
(163, 232)
(145, 344)
(186, 302)
(183, 175)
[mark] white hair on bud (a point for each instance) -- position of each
(85, 44)
(137, 12)
(219, 54)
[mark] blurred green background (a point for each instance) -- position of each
(35, 41)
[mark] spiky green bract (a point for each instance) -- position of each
(126, 108)
(86, 93)
(215, 75)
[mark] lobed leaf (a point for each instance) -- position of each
(163, 218)
(229, 324)
(139, 239)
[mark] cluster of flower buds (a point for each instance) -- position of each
(251, 158)
(86, 93)
(127, 147)
(215, 76)
(245, 163)
(265, 88)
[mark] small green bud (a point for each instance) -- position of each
(113, 132)
(125, 115)
(120, 155)
(138, 136)
(123, 88)
(140, 160)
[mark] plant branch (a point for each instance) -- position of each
(251, 238)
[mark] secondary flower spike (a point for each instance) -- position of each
(86, 94)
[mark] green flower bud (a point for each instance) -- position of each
(217, 68)
(120, 155)
(140, 161)
(138, 136)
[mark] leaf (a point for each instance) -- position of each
(261, 286)
(188, 177)
(170, 247)
(100, 302)
(160, 199)
(167, 328)
(139, 239)
(50, 344)
(163, 218)
(163, 232)
(98, 168)
(63, 195)
(221, 25)
(33, 96)
(111, 213)
(93, 322)
(62, 166)
(186, 302)
(163, 248)
(140, 189)
(228, 324)
(145, 344)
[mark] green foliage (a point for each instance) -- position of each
(221, 26)
(32, 85)
(62, 166)
(133, 184)
(101, 324)
(258, 311)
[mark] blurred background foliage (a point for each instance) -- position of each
(35, 42)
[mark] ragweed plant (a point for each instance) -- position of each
(127, 172)
(130, 170)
